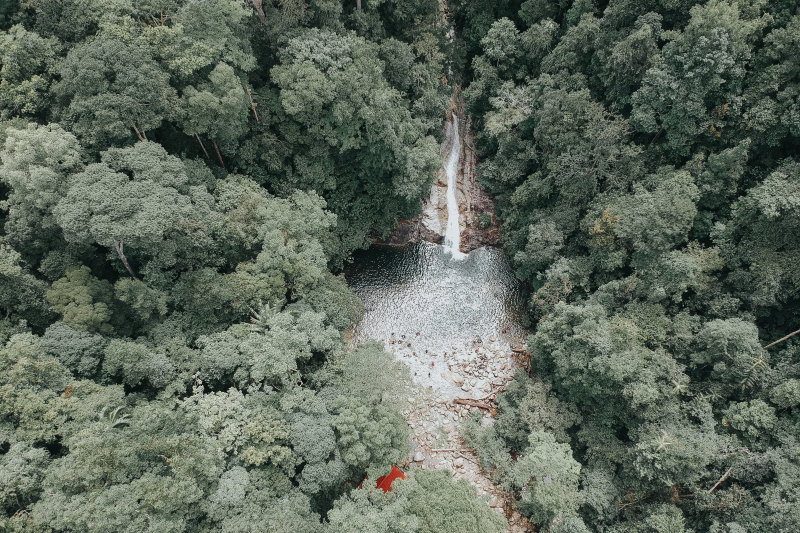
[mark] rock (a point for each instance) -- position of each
(495, 502)
(408, 231)
(465, 387)
(458, 380)
(459, 463)
(419, 457)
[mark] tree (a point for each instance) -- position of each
(771, 87)
(654, 219)
(36, 164)
(714, 47)
(79, 351)
(217, 109)
(547, 477)
(427, 502)
(203, 34)
(83, 301)
(759, 240)
(112, 92)
(629, 59)
(338, 107)
(143, 199)
(134, 363)
(22, 295)
(21, 472)
(260, 500)
(28, 65)
(527, 406)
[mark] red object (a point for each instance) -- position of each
(385, 482)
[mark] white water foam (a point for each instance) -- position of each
(452, 236)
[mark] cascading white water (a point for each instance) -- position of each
(452, 236)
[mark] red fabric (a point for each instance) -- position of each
(385, 482)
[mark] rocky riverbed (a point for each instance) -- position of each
(450, 386)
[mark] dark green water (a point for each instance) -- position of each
(450, 302)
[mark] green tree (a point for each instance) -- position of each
(771, 89)
(37, 162)
(22, 295)
(142, 200)
(547, 477)
(427, 502)
(83, 301)
(112, 92)
(28, 65)
(759, 243)
(217, 109)
(338, 107)
(21, 472)
(691, 92)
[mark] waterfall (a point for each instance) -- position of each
(452, 237)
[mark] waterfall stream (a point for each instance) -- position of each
(452, 236)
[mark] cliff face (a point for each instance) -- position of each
(473, 202)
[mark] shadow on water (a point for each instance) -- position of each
(421, 288)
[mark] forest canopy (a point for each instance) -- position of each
(643, 159)
(181, 182)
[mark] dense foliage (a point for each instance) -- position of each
(644, 160)
(178, 177)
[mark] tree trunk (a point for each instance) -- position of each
(658, 134)
(472, 403)
(723, 478)
(252, 103)
(201, 144)
(792, 334)
(259, 10)
(358, 5)
(140, 134)
(219, 155)
(118, 248)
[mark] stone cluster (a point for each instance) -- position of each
(472, 373)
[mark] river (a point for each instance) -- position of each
(424, 300)
(452, 318)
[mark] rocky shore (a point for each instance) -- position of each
(447, 388)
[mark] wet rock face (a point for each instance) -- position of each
(474, 204)
(408, 231)
(477, 203)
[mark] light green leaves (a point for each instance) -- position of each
(547, 478)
